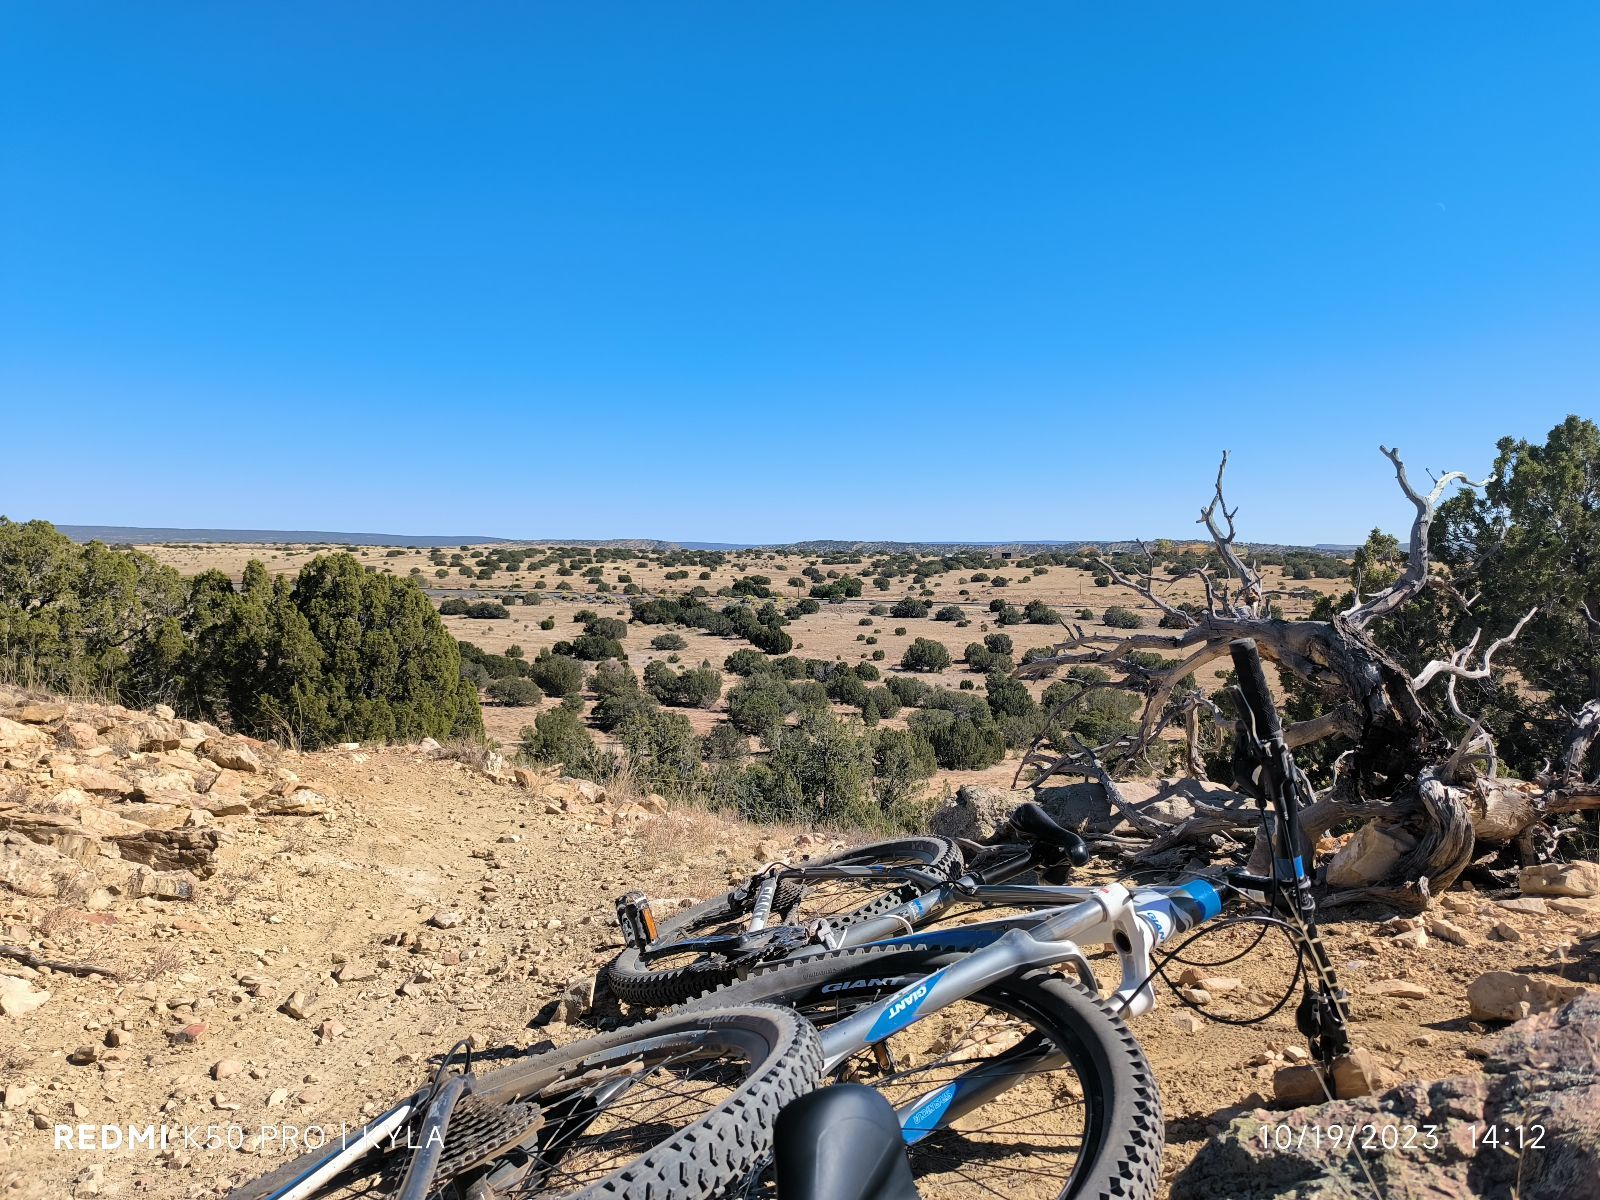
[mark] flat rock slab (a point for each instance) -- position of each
(1541, 1080)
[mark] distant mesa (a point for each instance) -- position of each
(137, 535)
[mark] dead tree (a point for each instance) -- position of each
(1400, 767)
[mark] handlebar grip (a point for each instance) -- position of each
(1253, 683)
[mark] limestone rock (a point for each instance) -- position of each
(91, 779)
(1356, 1074)
(186, 849)
(1370, 855)
(40, 871)
(232, 753)
(1446, 931)
(18, 996)
(42, 714)
(1400, 989)
(977, 812)
(301, 802)
(1509, 996)
(1580, 879)
(17, 736)
(1296, 1086)
(578, 998)
(226, 1068)
(629, 815)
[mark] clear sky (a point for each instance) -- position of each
(758, 272)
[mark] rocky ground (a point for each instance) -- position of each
(281, 941)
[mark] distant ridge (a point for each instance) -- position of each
(299, 537)
(138, 535)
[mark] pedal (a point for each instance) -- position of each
(637, 921)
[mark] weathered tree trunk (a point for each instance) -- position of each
(1441, 854)
(1399, 757)
(1575, 756)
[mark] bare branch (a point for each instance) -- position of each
(1415, 577)
(28, 959)
(1458, 665)
(1249, 581)
(1086, 761)
(1475, 745)
(1147, 589)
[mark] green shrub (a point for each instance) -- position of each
(747, 662)
(513, 690)
(961, 739)
(593, 648)
(558, 735)
(908, 690)
(557, 674)
(1037, 612)
(909, 608)
(758, 705)
(925, 654)
(725, 744)
(616, 709)
(696, 688)
(1008, 697)
(606, 627)
(1119, 617)
(672, 641)
(950, 612)
(547, 623)
(613, 678)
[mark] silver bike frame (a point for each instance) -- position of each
(1133, 922)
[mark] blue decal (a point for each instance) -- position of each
(1209, 900)
(1173, 910)
(924, 1119)
(1291, 868)
(955, 939)
(902, 1009)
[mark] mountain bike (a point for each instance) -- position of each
(1011, 1079)
(847, 899)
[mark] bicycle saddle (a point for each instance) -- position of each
(841, 1143)
(1037, 826)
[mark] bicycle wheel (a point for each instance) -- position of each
(674, 978)
(1081, 1117)
(682, 1106)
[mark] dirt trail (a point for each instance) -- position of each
(430, 903)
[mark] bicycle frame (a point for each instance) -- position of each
(1133, 922)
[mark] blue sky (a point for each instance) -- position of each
(740, 272)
